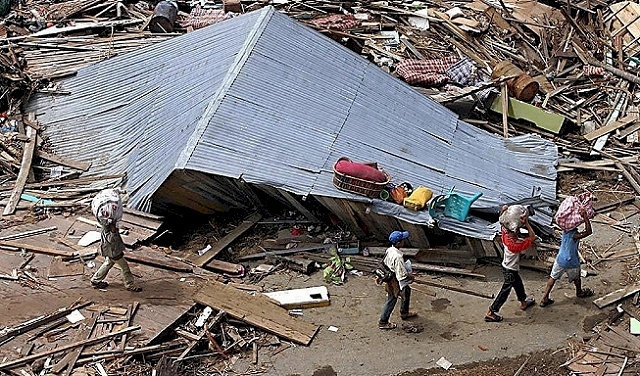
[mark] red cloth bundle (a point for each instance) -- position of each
(360, 171)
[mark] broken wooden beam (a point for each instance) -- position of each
(610, 127)
(26, 234)
(452, 288)
(296, 204)
(630, 178)
(199, 337)
(227, 239)
(446, 270)
(225, 267)
(617, 295)
(283, 252)
(63, 161)
(165, 262)
(38, 249)
(604, 207)
(297, 264)
(39, 321)
(27, 359)
(256, 310)
(25, 167)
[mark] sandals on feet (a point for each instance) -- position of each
(387, 326)
(585, 293)
(493, 317)
(547, 302)
(134, 288)
(100, 284)
(528, 303)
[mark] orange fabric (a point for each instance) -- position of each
(513, 243)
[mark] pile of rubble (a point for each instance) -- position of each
(565, 72)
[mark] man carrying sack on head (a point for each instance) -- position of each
(107, 208)
(397, 287)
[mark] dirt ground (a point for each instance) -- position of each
(451, 324)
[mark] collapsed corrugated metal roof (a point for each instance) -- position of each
(270, 101)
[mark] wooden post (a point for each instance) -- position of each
(25, 167)
(504, 93)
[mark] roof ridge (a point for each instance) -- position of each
(235, 68)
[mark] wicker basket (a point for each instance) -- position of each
(356, 185)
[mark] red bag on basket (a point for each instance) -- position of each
(361, 170)
(568, 216)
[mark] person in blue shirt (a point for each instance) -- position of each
(569, 262)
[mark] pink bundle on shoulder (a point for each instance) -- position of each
(568, 216)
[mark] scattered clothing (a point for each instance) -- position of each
(199, 18)
(336, 22)
(425, 72)
(437, 72)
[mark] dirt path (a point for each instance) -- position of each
(452, 324)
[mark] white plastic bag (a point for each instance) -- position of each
(511, 219)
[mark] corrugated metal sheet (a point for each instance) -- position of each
(268, 100)
(135, 113)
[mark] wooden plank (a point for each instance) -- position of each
(158, 260)
(332, 205)
(67, 182)
(148, 223)
(546, 120)
(25, 167)
(475, 247)
(174, 320)
(59, 268)
(221, 266)
(624, 133)
(445, 256)
(228, 239)
(299, 207)
(63, 161)
(488, 248)
(610, 127)
(69, 361)
(360, 210)
(256, 310)
(283, 252)
(446, 270)
(38, 249)
(27, 359)
(39, 321)
(138, 213)
(603, 207)
(198, 338)
(629, 176)
(25, 234)
(407, 252)
(452, 288)
(617, 295)
(504, 98)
